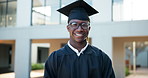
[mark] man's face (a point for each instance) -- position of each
(78, 30)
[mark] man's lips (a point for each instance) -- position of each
(79, 34)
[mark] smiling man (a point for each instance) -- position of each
(78, 59)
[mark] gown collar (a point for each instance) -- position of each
(68, 51)
(75, 50)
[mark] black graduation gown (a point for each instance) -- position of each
(92, 63)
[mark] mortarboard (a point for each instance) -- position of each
(78, 10)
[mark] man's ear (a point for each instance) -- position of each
(67, 27)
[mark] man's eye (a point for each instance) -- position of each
(74, 24)
(84, 24)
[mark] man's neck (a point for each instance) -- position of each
(78, 45)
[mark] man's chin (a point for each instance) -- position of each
(80, 40)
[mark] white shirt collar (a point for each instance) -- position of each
(75, 50)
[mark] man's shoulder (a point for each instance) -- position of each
(95, 48)
(98, 51)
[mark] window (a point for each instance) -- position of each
(7, 13)
(44, 12)
(128, 10)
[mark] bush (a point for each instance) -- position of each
(127, 72)
(37, 66)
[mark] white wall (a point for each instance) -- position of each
(22, 65)
(105, 10)
(101, 33)
(23, 13)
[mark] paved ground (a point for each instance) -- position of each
(137, 76)
(140, 73)
(34, 74)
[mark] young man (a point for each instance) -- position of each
(78, 59)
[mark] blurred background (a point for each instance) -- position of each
(32, 29)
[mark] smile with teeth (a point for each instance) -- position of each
(77, 34)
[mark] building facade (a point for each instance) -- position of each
(106, 34)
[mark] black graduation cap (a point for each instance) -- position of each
(78, 10)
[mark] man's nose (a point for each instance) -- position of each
(79, 28)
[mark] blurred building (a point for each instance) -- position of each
(31, 29)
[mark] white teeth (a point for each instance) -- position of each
(79, 35)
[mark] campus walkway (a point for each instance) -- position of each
(137, 76)
(34, 74)
(140, 73)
